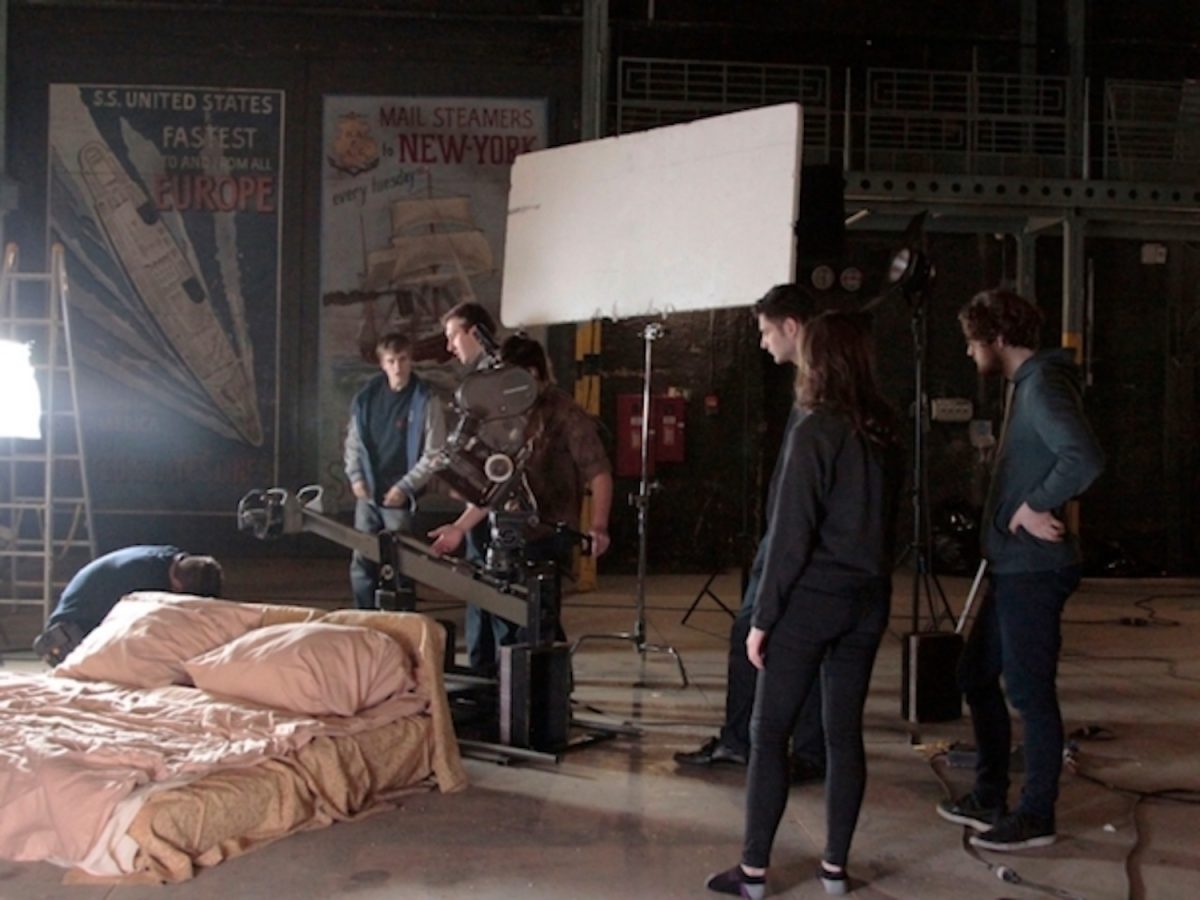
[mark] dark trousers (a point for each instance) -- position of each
(372, 518)
(1018, 635)
(808, 738)
(836, 638)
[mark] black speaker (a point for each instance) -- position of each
(821, 224)
(535, 696)
(929, 677)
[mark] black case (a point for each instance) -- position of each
(929, 676)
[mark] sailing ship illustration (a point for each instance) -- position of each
(434, 258)
(434, 252)
(171, 290)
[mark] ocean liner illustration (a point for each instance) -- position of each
(171, 290)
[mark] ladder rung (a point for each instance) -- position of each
(38, 457)
(22, 505)
(40, 541)
(37, 542)
(24, 500)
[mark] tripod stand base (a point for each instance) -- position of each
(706, 591)
(642, 648)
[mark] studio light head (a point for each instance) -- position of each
(911, 269)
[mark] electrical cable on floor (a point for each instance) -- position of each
(1189, 796)
(1175, 795)
(1072, 763)
(1151, 619)
(1144, 604)
(1100, 733)
(1005, 873)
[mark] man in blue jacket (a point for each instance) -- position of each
(96, 588)
(1047, 454)
(397, 426)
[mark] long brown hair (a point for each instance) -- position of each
(836, 372)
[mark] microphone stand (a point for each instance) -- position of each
(637, 637)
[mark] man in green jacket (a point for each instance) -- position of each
(1047, 454)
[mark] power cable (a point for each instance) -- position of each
(1175, 795)
(1005, 873)
(1151, 619)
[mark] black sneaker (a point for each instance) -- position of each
(712, 753)
(1018, 831)
(737, 883)
(804, 771)
(967, 810)
(56, 643)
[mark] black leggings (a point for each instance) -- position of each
(836, 637)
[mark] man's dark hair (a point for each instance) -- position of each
(1001, 313)
(472, 314)
(786, 301)
(393, 342)
(526, 353)
(200, 575)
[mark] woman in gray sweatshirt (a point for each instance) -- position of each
(825, 593)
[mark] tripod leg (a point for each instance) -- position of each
(705, 591)
(671, 651)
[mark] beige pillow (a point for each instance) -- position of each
(306, 667)
(146, 638)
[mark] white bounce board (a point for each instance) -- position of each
(685, 217)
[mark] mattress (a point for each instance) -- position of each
(132, 784)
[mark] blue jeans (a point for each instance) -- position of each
(833, 638)
(372, 518)
(1018, 635)
(808, 737)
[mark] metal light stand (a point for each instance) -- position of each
(924, 578)
(637, 637)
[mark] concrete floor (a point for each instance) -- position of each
(618, 819)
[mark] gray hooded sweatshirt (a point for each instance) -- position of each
(1048, 455)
